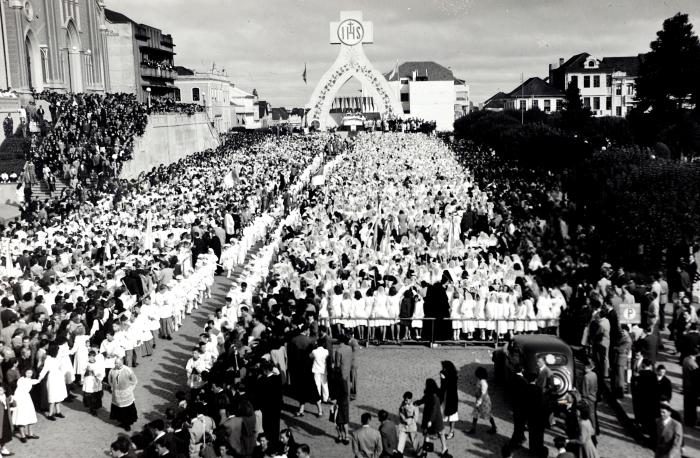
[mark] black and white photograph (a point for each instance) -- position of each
(350, 229)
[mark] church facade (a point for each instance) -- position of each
(54, 44)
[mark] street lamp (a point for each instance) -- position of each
(148, 96)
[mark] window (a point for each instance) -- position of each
(618, 89)
(596, 103)
(404, 97)
(618, 111)
(522, 105)
(547, 105)
(560, 104)
(195, 94)
(587, 81)
(587, 102)
(608, 103)
(535, 103)
(630, 89)
(596, 81)
(608, 80)
(591, 63)
(574, 80)
(45, 64)
(178, 96)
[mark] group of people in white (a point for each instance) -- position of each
(388, 225)
(90, 293)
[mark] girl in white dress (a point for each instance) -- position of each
(381, 311)
(393, 308)
(501, 315)
(54, 372)
(480, 314)
(531, 324)
(467, 315)
(544, 310)
(455, 314)
(323, 309)
(359, 315)
(491, 314)
(418, 315)
(346, 309)
(25, 414)
(80, 352)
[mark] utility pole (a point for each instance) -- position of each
(522, 100)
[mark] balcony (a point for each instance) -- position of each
(162, 73)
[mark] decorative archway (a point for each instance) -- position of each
(350, 33)
(75, 67)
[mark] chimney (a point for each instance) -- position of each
(413, 75)
(561, 61)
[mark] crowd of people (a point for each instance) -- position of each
(406, 240)
(87, 291)
(537, 221)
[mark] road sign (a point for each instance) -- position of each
(629, 313)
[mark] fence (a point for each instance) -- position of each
(551, 324)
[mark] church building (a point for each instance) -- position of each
(53, 44)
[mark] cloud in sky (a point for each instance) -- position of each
(264, 44)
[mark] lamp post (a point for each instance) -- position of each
(148, 96)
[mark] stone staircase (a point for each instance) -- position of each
(41, 192)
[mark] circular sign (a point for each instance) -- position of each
(351, 32)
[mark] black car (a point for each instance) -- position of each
(525, 349)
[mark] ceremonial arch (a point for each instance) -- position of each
(351, 32)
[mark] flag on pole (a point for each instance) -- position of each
(303, 75)
(395, 71)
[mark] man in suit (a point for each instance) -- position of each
(366, 441)
(200, 426)
(669, 435)
(589, 393)
(665, 387)
(389, 433)
(645, 397)
(168, 439)
(270, 397)
(689, 341)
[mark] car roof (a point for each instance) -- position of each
(542, 343)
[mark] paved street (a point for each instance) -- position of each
(385, 373)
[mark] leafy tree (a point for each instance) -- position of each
(575, 114)
(669, 74)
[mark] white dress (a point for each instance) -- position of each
(418, 314)
(25, 414)
(55, 379)
(80, 350)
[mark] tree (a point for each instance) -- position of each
(575, 114)
(669, 73)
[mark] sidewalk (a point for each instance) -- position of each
(674, 373)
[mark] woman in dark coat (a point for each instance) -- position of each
(432, 422)
(448, 395)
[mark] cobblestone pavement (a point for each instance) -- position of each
(384, 373)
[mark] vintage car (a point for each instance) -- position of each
(525, 349)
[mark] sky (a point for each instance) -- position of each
(264, 44)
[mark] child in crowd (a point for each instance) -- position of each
(407, 426)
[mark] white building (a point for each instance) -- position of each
(607, 84)
(430, 91)
(246, 109)
(211, 90)
(535, 93)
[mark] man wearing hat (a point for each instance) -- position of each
(669, 434)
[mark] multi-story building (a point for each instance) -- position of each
(211, 90)
(140, 58)
(607, 84)
(246, 108)
(535, 93)
(53, 44)
(429, 91)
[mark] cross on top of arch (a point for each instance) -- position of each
(351, 30)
